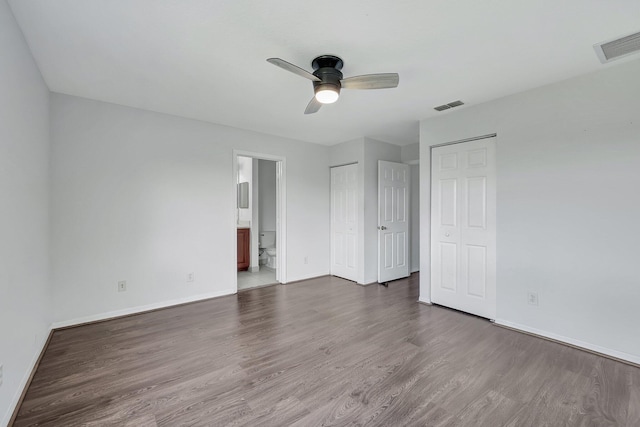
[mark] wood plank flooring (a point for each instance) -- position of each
(323, 352)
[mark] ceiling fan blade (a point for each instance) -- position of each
(292, 68)
(313, 106)
(371, 81)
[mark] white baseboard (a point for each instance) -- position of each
(25, 378)
(571, 341)
(424, 301)
(305, 277)
(139, 309)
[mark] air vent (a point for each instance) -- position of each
(449, 105)
(614, 49)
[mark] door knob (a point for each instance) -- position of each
(382, 227)
(446, 234)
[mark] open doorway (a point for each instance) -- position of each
(259, 207)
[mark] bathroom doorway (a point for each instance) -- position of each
(259, 223)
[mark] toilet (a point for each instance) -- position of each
(268, 244)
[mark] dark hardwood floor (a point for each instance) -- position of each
(323, 352)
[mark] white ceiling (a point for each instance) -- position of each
(205, 59)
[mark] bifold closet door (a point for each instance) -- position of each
(344, 221)
(463, 226)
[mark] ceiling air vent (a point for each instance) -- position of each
(449, 105)
(614, 49)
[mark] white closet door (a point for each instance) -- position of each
(393, 221)
(463, 226)
(344, 221)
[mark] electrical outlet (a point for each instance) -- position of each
(0, 375)
(122, 285)
(532, 298)
(191, 277)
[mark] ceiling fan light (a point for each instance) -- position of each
(327, 95)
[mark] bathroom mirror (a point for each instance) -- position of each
(243, 195)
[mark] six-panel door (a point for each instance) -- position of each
(344, 221)
(463, 232)
(393, 221)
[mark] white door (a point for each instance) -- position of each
(344, 221)
(463, 226)
(393, 221)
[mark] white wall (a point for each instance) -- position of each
(414, 225)
(425, 219)
(25, 297)
(410, 154)
(267, 195)
(147, 198)
(568, 158)
(347, 152)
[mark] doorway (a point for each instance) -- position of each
(463, 226)
(259, 223)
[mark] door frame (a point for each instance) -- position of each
(425, 229)
(281, 212)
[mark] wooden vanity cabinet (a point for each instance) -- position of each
(244, 244)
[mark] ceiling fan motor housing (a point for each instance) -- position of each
(327, 69)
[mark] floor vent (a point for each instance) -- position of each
(618, 48)
(449, 105)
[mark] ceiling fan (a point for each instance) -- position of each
(327, 79)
